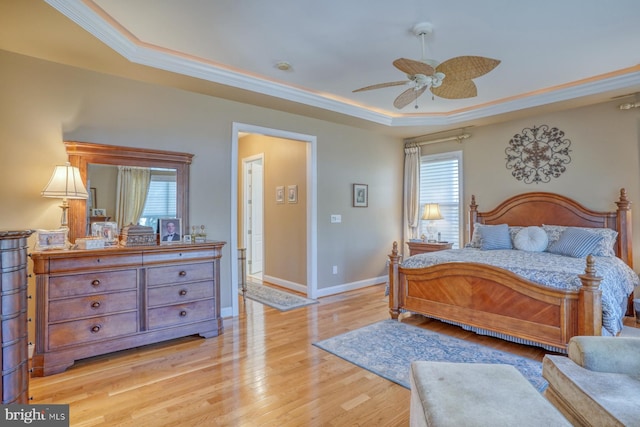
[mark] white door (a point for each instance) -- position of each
(253, 215)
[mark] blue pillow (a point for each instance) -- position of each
(575, 242)
(495, 237)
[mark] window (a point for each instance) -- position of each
(440, 181)
(161, 198)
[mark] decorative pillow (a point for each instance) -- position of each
(495, 237)
(532, 239)
(475, 241)
(575, 242)
(604, 248)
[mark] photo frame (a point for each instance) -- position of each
(98, 212)
(360, 195)
(106, 230)
(51, 239)
(280, 194)
(170, 230)
(292, 193)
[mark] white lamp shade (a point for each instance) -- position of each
(431, 211)
(65, 183)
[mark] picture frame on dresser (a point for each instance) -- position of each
(170, 230)
(51, 239)
(106, 230)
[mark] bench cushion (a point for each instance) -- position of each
(476, 394)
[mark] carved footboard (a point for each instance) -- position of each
(497, 300)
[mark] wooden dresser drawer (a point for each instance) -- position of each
(14, 327)
(76, 263)
(175, 315)
(165, 295)
(172, 274)
(92, 283)
(92, 305)
(93, 329)
(179, 255)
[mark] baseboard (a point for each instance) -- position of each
(324, 292)
(346, 287)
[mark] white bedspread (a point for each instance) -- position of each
(557, 271)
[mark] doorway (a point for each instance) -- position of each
(253, 214)
(310, 198)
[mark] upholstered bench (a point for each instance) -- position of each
(476, 394)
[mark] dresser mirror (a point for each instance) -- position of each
(90, 157)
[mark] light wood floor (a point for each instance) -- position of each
(262, 371)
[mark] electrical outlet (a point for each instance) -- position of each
(335, 269)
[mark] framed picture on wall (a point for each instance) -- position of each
(292, 194)
(360, 195)
(280, 194)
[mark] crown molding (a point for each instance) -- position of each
(86, 14)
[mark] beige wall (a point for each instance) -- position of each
(285, 225)
(44, 103)
(604, 159)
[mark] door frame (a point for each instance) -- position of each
(245, 226)
(312, 195)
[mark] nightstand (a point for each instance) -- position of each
(422, 247)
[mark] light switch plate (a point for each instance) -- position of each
(336, 218)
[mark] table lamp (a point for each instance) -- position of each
(431, 213)
(65, 183)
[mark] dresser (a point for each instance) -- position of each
(422, 247)
(91, 302)
(14, 356)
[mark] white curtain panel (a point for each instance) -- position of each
(411, 192)
(132, 188)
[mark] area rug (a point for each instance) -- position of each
(281, 300)
(387, 349)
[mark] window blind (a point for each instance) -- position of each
(161, 198)
(440, 181)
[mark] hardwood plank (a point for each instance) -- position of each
(262, 371)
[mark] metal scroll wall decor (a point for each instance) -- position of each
(537, 154)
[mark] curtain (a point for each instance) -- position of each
(411, 192)
(131, 193)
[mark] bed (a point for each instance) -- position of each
(495, 301)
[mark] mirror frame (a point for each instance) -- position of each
(82, 153)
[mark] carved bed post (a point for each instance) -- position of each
(623, 220)
(473, 216)
(394, 261)
(625, 238)
(590, 301)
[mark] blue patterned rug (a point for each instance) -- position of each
(387, 348)
(283, 301)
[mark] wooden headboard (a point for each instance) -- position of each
(539, 208)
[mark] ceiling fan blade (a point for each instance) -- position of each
(407, 97)
(467, 67)
(411, 67)
(381, 85)
(455, 89)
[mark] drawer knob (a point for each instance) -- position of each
(182, 273)
(183, 292)
(95, 329)
(96, 282)
(95, 304)
(183, 313)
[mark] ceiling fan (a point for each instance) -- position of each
(450, 79)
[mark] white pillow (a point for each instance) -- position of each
(532, 239)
